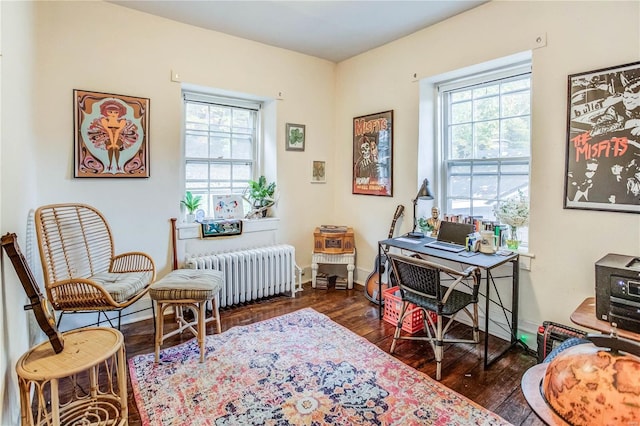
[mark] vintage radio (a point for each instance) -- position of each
(333, 239)
(618, 291)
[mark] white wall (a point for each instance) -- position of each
(581, 36)
(18, 175)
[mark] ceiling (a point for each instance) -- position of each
(333, 30)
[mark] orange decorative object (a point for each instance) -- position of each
(333, 240)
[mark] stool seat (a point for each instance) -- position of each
(187, 284)
(186, 288)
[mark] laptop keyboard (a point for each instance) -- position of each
(446, 246)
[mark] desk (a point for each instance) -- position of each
(585, 316)
(348, 259)
(485, 262)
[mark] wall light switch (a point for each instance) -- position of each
(175, 75)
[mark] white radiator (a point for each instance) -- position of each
(252, 274)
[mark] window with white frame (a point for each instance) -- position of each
(221, 143)
(485, 131)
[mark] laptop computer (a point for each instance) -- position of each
(452, 236)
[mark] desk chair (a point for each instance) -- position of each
(419, 282)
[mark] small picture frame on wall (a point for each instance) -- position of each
(318, 171)
(295, 137)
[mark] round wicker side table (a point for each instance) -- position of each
(90, 372)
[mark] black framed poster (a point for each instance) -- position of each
(603, 140)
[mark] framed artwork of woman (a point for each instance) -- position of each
(111, 135)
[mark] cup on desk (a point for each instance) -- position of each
(488, 242)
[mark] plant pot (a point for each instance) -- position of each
(191, 218)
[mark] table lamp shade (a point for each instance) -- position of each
(423, 194)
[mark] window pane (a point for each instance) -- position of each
(196, 145)
(220, 146)
(220, 118)
(197, 171)
(461, 112)
(483, 208)
(487, 144)
(459, 206)
(515, 104)
(509, 185)
(516, 134)
(241, 147)
(461, 146)
(462, 95)
(513, 85)
(221, 172)
(487, 90)
(485, 187)
(459, 186)
(242, 172)
(486, 108)
(197, 115)
(516, 168)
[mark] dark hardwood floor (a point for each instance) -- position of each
(497, 388)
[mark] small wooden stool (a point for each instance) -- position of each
(93, 362)
(191, 288)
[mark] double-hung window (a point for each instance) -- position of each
(221, 142)
(486, 141)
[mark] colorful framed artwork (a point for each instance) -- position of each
(373, 154)
(318, 171)
(228, 207)
(603, 140)
(295, 137)
(111, 134)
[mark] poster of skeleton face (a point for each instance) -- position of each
(373, 154)
(603, 140)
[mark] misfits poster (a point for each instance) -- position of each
(373, 154)
(603, 140)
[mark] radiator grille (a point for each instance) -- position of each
(252, 274)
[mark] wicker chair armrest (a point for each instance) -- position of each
(134, 261)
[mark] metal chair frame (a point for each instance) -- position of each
(420, 284)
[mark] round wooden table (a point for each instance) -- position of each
(86, 383)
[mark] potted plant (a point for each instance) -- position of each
(191, 203)
(515, 213)
(261, 195)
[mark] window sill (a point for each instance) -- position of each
(192, 230)
(525, 258)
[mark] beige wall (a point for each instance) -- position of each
(581, 36)
(51, 48)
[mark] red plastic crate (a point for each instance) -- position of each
(392, 308)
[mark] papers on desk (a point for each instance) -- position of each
(409, 240)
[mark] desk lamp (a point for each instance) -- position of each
(423, 194)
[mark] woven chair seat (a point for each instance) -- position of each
(457, 301)
(123, 286)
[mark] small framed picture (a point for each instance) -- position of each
(295, 137)
(318, 171)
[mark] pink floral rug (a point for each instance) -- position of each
(296, 369)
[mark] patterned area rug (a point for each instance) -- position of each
(296, 369)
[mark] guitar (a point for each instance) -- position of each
(371, 286)
(40, 306)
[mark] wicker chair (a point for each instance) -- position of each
(419, 282)
(81, 271)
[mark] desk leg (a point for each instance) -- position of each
(350, 268)
(314, 274)
(486, 320)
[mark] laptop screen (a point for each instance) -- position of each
(453, 232)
